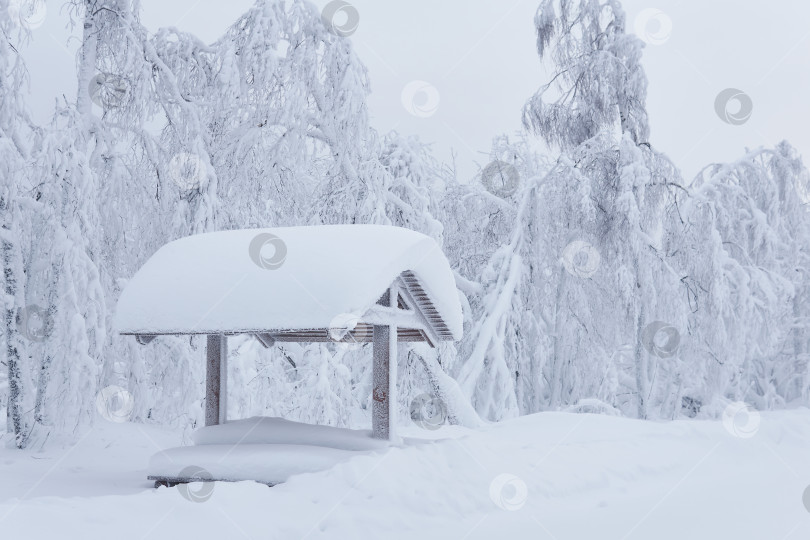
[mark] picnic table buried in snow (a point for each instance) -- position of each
(333, 283)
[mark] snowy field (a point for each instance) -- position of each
(546, 476)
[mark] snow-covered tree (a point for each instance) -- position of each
(599, 206)
(598, 81)
(751, 305)
(15, 133)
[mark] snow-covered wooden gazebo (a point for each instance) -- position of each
(359, 283)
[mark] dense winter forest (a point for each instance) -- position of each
(593, 276)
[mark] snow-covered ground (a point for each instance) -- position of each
(544, 476)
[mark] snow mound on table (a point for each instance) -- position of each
(266, 430)
(264, 449)
(268, 463)
(225, 282)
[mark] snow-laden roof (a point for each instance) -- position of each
(287, 278)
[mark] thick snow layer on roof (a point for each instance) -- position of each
(288, 278)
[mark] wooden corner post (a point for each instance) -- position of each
(216, 379)
(384, 373)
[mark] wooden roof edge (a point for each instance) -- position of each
(422, 300)
(362, 334)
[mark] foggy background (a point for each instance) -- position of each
(480, 57)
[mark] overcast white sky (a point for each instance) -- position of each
(480, 57)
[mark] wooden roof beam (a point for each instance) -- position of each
(428, 326)
(267, 340)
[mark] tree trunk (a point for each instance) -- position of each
(44, 375)
(642, 367)
(87, 67)
(16, 349)
(555, 381)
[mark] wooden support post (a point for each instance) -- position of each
(384, 374)
(216, 380)
(223, 380)
(380, 413)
